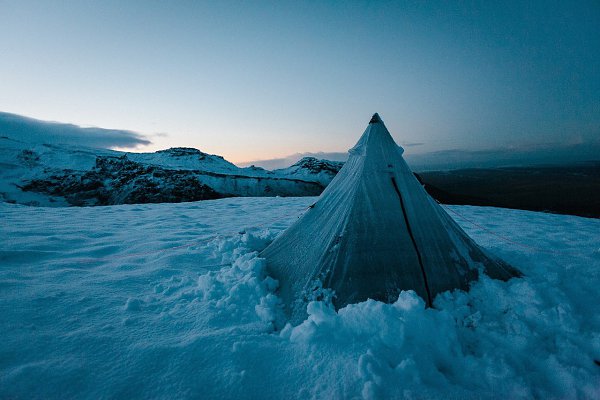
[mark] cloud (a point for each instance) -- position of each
(547, 154)
(409, 144)
(36, 131)
(285, 162)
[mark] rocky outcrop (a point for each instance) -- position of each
(316, 166)
(313, 169)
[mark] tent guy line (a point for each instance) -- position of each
(531, 248)
(90, 260)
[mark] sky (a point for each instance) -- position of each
(263, 80)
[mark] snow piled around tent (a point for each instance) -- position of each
(171, 301)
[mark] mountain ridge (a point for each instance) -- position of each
(62, 175)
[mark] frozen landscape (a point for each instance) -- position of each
(171, 301)
(188, 209)
(55, 175)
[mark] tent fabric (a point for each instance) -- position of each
(374, 232)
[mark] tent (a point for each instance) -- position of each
(372, 233)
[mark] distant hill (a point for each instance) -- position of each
(61, 175)
(571, 189)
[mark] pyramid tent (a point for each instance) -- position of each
(374, 232)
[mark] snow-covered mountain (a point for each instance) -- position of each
(62, 175)
(312, 169)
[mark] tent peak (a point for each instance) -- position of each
(375, 119)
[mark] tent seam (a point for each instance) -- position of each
(412, 238)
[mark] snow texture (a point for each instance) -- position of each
(171, 301)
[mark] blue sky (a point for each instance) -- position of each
(259, 80)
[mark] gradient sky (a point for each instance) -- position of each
(258, 80)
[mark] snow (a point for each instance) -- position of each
(171, 301)
(21, 161)
(312, 169)
(192, 159)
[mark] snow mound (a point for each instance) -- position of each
(242, 290)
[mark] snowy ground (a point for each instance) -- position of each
(141, 301)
